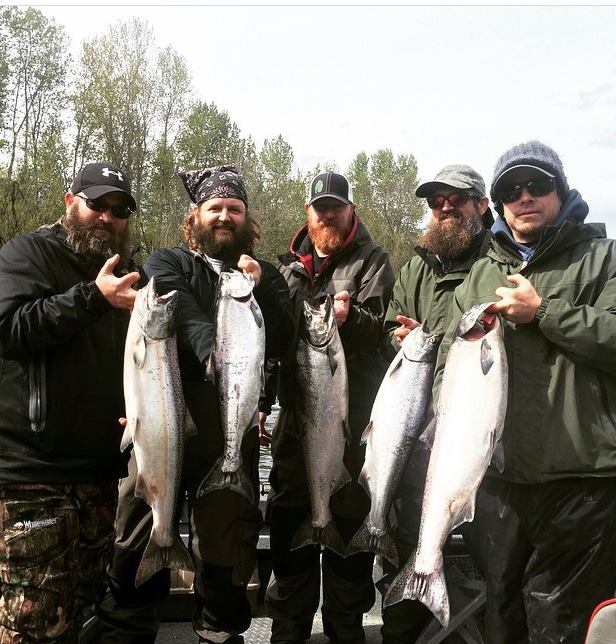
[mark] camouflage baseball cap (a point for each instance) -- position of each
(462, 177)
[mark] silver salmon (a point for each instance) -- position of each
(395, 424)
(321, 418)
(236, 367)
(155, 413)
(469, 424)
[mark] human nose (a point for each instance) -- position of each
(525, 195)
(106, 215)
(224, 215)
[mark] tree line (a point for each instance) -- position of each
(130, 102)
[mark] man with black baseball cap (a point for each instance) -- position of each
(454, 239)
(544, 531)
(332, 254)
(63, 319)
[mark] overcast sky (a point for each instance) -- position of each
(445, 84)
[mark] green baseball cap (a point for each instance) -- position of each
(462, 177)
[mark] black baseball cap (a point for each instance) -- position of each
(330, 184)
(97, 179)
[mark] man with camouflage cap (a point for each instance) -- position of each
(456, 236)
(544, 532)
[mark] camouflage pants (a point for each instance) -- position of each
(55, 542)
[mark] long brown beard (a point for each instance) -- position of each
(328, 239)
(95, 241)
(452, 237)
(224, 247)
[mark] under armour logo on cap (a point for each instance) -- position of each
(97, 179)
(107, 172)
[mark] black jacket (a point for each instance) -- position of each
(363, 269)
(180, 269)
(61, 360)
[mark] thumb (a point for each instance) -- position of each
(516, 279)
(343, 295)
(110, 264)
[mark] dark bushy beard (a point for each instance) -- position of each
(95, 241)
(451, 237)
(224, 247)
(328, 239)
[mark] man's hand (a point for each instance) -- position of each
(116, 290)
(250, 267)
(519, 304)
(265, 438)
(342, 303)
(406, 326)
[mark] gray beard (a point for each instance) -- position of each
(95, 242)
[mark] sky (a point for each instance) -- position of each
(447, 84)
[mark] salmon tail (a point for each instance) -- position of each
(430, 590)
(155, 558)
(219, 480)
(328, 537)
(365, 541)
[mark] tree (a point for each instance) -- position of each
(384, 191)
(33, 66)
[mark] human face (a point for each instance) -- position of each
(87, 215)
(329, 223)
(451, 229)
(529, 215)
(220, 228)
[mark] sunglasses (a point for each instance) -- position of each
(100, 205)
(511, 192)
(455, 199)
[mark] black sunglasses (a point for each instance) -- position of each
(510, 192)
(100, 205)
(455, 199)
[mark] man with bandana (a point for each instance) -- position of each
(456, 236)
(220, 232)
(332, 254)
(65, 295)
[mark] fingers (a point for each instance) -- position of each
(342, 296)
(110, 264)
(410, 323)
(250, 267)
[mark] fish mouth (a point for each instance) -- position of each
(476, 322)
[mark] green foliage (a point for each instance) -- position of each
(131, 103)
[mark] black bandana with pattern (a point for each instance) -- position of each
(221, 181)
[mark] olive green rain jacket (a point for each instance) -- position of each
(561, 411)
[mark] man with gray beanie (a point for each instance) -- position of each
(456, 236)
(220, 232)
(544, 532)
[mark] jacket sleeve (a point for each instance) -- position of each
(587, 334)
(272, 295)
(34, 317)
(402, 302)
(363, 327)
(195, 328)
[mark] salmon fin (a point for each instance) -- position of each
(219, 480)
(396, 363)
(190, 428)
(210, 369)
(139, 352)
(426, 439)
(256, 313)
(342, 480)
(486, 357)
(333, 360)
(141, 489)
(328, 537)
(366, 434)
(364, 480)
(156, 558)
(430, 590)
(465, 514)
(127, 436)
(383, 545)
(346, 430)
(498, 456)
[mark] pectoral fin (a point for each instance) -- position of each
(139, 351)
(333, 360)
(486, 356)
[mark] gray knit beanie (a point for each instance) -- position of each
(535, 154)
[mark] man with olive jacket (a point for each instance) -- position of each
(544, 532)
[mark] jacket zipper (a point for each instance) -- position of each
(37, 405)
